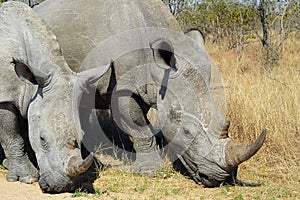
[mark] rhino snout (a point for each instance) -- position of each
(56, 184)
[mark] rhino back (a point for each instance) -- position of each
(11, 46)
(82, 25)
(25, 36)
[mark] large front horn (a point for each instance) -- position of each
(237, 153)
(78, 166)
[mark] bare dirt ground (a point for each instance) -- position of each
(17, 191)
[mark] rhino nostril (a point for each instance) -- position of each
(44, 185)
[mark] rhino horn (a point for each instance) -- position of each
(238, 153)
(78, 166)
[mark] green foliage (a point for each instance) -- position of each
(166, 172)
(239, 197)
(78, 194)
(236, 23)
(98, 193)
(140, 189)
(225, 189)
(222, 20)
(176, 191)
(278, 19)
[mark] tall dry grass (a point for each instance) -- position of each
(259, 96)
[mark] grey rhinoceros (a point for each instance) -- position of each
(155, 65)
(36, 84)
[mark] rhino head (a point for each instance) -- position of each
(192, 124)
(54, 125)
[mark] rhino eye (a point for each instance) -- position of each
(42, 140)
(73, 144)
(44, 143)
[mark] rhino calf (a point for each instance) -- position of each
(36, 84)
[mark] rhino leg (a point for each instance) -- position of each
(148, 159)
(18, 164)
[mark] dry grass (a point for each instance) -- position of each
(257, 97)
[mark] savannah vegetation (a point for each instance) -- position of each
(258, 96)
(256, 47)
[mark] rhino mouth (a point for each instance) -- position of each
(206, 172)
(212, 182)
(58, 183)
(214, 172)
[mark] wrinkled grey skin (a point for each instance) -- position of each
(177, 73)
(41, 88)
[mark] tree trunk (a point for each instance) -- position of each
(263, 6)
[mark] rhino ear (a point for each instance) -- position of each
(163, 53)
(91, 76)
(196, 35)
(26, 74)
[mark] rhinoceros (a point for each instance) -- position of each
(36, 84)
(154, 65)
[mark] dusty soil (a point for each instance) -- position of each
(17, 191)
